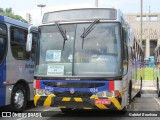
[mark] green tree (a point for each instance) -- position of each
(1, 10)
(8, 12)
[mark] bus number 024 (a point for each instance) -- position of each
(93, 90)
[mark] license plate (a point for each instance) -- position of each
(102, 101)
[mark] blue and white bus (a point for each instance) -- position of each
(16, 65)
(87, 59)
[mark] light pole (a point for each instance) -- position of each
(41, 6)
(141, 20)
(96, 3)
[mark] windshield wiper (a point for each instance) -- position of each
(88, 30)
(62, 33)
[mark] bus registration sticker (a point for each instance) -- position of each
(102, 101)
(55, 70)
(53, 55)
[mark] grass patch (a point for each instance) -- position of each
(148, 73)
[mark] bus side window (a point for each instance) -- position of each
(3, 41)
(132, 53)
(125, 51)
(18, 43)
(125, 47)
(158, 55)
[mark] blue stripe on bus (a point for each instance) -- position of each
(2, 86)
(101, 88)
(1, 18)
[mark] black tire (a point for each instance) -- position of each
(139, 93)
(18, 98)
(158, 92)
(66, 110)
(124, 109)
(130, 93)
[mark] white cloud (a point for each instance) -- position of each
(117, 2)
(124, 5)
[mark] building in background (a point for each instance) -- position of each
(151, 30)
(28, 17)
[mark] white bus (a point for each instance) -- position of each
(87, 59)
(16, 65)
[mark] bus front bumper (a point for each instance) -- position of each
(113, 103)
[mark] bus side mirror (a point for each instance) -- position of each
(29, 42)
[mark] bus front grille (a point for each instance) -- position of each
(76, 94)
(73, 85)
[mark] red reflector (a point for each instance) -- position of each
(111, 85)
(37, 84)
(102, 101)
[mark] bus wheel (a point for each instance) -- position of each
(18, 98)
(130, 92)
(125, 108)
(139, 93)
(158, 92)
(66, 110)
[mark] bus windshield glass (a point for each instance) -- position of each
(98, 54)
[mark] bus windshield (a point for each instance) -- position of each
(98, 54)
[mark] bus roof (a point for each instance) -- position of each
(13, 21)
(82, 14)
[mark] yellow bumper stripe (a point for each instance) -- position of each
(94, 97)
(116, 103)
(62, 107)
(48, 101)
(53, 95)
(101, 106)
(66, 99)
(78, 99)
(86, 108)
(36, 97)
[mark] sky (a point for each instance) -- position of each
(21, 7)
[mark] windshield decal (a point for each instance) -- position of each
(53, 55)
(55, 70)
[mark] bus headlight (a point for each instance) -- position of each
(40, 91)
(47, 92)
(104, 94)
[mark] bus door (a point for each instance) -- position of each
(3, 49)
